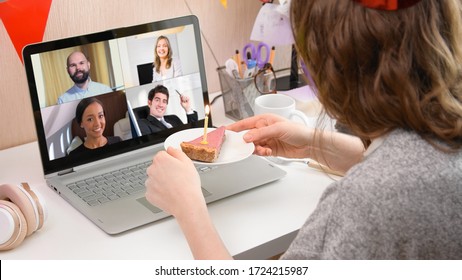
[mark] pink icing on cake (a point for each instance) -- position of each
(209, 152)
(214, 138)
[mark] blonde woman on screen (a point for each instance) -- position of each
(165, 65)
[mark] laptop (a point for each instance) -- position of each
(107, 184)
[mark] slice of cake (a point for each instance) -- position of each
(209, 152)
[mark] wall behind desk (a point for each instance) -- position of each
(225, 30)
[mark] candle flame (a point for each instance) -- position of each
(207, 110)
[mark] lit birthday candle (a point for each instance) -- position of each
(206, 123)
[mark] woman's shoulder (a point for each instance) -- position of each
(404, 161)
(113, 139)
(176, 63)
(81, 148)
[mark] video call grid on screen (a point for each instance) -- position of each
(123, 60)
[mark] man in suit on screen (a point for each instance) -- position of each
(156, 121)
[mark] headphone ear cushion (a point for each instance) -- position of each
(19, 197)
(38, 204)
(13, 225)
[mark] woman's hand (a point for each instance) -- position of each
(275, 136)
(173, 183)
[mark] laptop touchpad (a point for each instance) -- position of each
(148, 205)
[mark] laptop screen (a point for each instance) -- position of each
(122, 84)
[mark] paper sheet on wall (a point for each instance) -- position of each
(272, 27)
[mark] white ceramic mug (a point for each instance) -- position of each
(281, 105)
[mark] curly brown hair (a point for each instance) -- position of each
(380, 70)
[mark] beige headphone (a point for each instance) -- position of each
(21, 214)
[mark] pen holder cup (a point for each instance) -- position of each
(238, 95)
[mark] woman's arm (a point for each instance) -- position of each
(276, 136)
(202, 237)
(174, 186)
(336, 150)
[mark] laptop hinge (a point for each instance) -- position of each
(65, 172)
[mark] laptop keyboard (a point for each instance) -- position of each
(117, 184)
(112, 185)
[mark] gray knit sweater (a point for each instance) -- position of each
(404, 201)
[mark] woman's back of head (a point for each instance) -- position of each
(379, 70)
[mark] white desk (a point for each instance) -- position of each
(256, 224)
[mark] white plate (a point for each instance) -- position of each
(233, 149)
